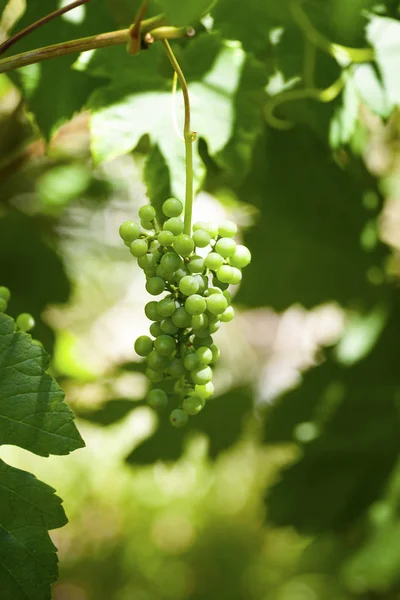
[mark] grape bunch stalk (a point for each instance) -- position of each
(194, 273)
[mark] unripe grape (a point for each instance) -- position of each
(166, 307)
(188, 285)
(204, 391)
(225, 274)
(155, 285)
(227, 296)
(236, 276)
(228, 314)
(222, 286)
(216, 353)
(216, 304)
(183, 244)
(172, 207)
(151, 311)
(171, 261)
(213, 261)
(147, 225)
(200, 225)
(143, 345)
(199, 321)
(155, 329)
(201, 238)
(176, 368)
(196, 264)
(166, 238)
(157, 399)
(167, 326)
(179, 274)
(195, 304)
(3, 305)
(174, 225)
(129, 231)
(201, 376)
(225, 247)
(181, 318)
(202, 280)
(202, 333)
(198, 342)
(139, 248)
(5, 293)
(205, 354)
(193, 404)
(147, 212)
(164, 345)
(178, 418)
(241, 258)
(153, 376)
(156, 361)
(154, 246)
(227, 229)
(214, 326)
(164, 273)
(212, 229)
(149, 260)
(25, 322)
(191, 361)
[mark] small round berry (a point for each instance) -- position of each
(164, 345)
(176, 368)
(181, 318)
(216, 353)
(156, 361)
(166, 238)
(155, 329)
(144, 345)
(216, 304)
(193, 404)
(147, 213)
(166, 307)
(236, 276)
(188, 285)
(201, 238)
(225, 274)
(178, 418)
(225, 247)
(3, 305)
(195, 304)
(171, 261)
(201, 376)
(198, 342)
(151, 311)
(204, 391)
(227, 229)
(5, 293)
(155, 285)
(172, 207)
(214, 261)
(147, 225)
(205, 355)
(183, 244)
(174, 225)
(153, 376)
(228, 315)
(25, 322)
(202, 281)
(196, 264)
(157, 399)
(129, 231)
(149, 261)
(191, 362)
(241, 258)
(168, 326)
(199, 321)
(139, 248)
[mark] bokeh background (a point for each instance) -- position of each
(287, 487)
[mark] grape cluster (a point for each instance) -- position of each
(195, 272)
(24, 322)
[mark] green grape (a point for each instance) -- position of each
(179, 274)
(200, 225)
(157, 399)
(193, 404)
(155, 329)
(201, 376)
(202, 333)
(214, 326)
(205, 354)
(151, 311)
(171, 261)
(199, 321)
(153, 376)
(222, 286)
(178, 418)
(213, 290)
(225, 247)
(191, 362)
(3, 305)
(25, 322)
(183, 244)
(172, 207)
(188, 285)
(241, 258)
(155, 285)
(129, 231)
(227, 229)
(147, 212)
(216, 304)
(144, 345)
(146, 225)
(198, 342)
(216, 353)
(181, 318)
(174, 225)
(149, 261)
(139, 248)
(176, 368)
(154, 246)
(201, 238)
(236, 276)
(225, 274)
(227, 315)
(213, 261)
(5, 293)
(156, 361)
(165, 274)
(227, 296)
(168, 326)
(195, 304)
(204, 391)
(166, 238)
(196, 264)
(166, 307)
(164, 345)
(203, 283)
(150, 272)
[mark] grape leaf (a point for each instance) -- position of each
(384, 35)
(33, 414)
(28, 560)
(3, 4)
(221, 421)
(185, 13)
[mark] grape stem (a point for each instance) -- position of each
(189, 137)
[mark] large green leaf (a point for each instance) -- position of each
(28, 560)
(185, 13)
(33, 414)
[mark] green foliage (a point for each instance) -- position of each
(184, 14)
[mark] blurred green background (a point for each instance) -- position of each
(287, 487)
